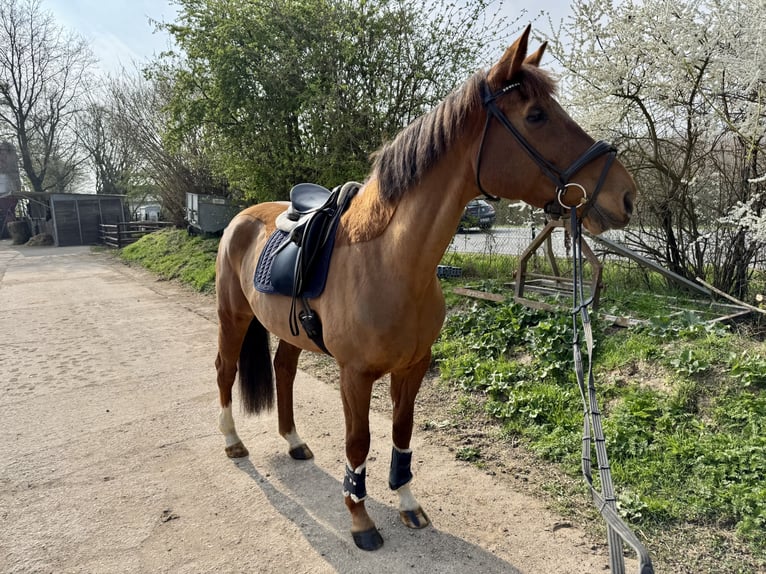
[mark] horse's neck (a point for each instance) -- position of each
(428, 215)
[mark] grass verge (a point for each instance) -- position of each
(173, 254)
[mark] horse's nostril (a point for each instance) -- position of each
(628, 204)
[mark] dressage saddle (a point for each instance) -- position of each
(299, 265)
(306, 198)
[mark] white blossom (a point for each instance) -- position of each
(685, 78)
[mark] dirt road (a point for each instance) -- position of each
(111, 461)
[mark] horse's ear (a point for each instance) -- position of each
(534, 59)
(510, 63)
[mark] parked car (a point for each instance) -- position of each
(478, 213)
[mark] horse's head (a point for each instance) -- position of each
(532, 150)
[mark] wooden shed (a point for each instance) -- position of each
(71, 218)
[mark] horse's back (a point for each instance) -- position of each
(242, 241)
(250, 224)
(256, 218)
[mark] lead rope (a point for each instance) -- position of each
(605, 501)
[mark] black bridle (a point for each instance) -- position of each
(593, 436)
(561, 179)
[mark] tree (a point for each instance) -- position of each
(43, 74)
(136, 121)
(284, 91)
(113, 156)
(680, 87)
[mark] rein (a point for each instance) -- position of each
(605, 501)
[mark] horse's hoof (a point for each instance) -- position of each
(368, 540)
(415, 518)
(236, 450)
(302, 452)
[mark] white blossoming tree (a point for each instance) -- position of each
(680, 87)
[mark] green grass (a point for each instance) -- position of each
(482, 265)
(173, 254)
(684, 406)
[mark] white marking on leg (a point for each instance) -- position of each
(406, 499)
(294, 440)
(226, 426)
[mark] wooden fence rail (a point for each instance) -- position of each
(121, 234)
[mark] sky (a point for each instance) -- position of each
(120, 32)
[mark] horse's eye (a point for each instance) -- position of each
(536, 116)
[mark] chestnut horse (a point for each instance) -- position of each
(382, 307)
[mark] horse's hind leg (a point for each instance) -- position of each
(404, 388)
(285, 367)
(231, 334)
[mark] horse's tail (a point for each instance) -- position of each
(256, 382)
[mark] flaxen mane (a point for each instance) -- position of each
(401, 163)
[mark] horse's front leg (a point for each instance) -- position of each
(355, 390)
(404, 388)
(285, 367)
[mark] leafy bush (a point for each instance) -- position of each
(689, 363)
(749, 368)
